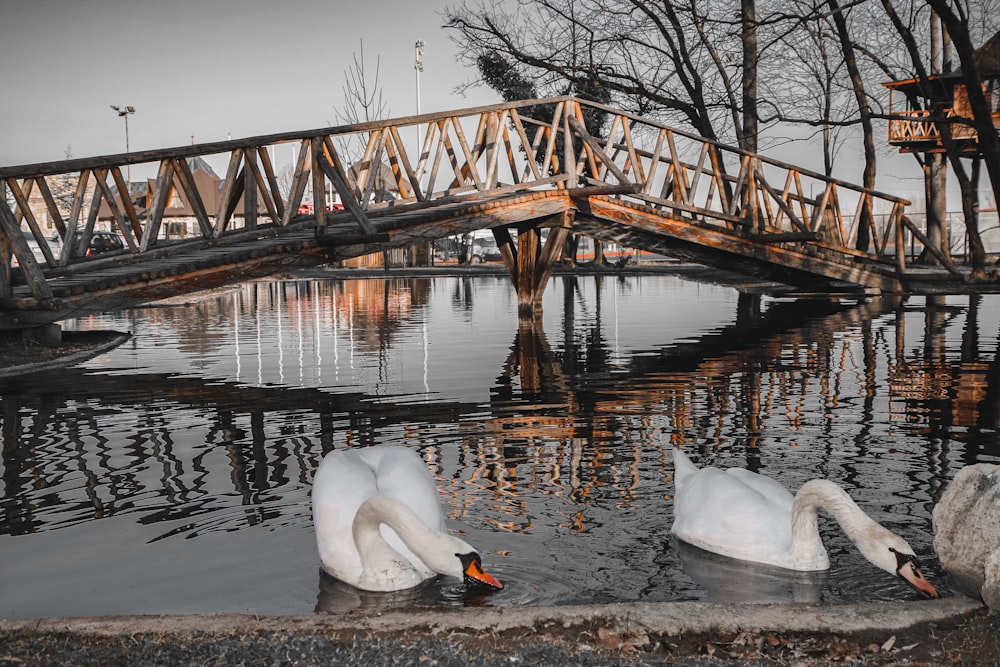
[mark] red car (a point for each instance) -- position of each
(307, 209)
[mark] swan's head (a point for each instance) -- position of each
(891, 553)
(460, 560)
(908, 570)
(473, 572)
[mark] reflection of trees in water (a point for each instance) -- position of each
(574, 424)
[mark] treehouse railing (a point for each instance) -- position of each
(471, 153)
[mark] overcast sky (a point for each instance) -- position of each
(215, 69)
(210, 69)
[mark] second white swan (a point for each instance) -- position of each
(744, 515)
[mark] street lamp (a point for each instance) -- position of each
(123, 112)
(418, 50)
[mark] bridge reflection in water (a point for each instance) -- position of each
(173, 474)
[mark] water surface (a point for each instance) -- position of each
(172, 474)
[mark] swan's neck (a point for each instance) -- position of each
(380, 561)
(806, 548)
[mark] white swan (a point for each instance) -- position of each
(744, 515)
(379, 525)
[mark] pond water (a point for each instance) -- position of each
(172, 474)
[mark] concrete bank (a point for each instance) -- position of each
(662, 618)
(954, 631)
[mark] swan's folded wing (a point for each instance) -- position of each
(341, 484)
(769, 488)
(403, 475)
(719, 513)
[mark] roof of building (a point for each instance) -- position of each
(987, 56)
(198, 163)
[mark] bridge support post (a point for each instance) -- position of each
(532, 266)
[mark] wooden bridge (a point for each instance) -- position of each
(530, 171)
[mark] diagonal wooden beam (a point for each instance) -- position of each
(581, 131)
(341, 185)
(186, 179)
(25, 258)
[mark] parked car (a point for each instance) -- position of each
(100, 242)
(307, 209)
(55, 245)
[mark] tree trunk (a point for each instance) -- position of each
(988, 139)
(935, 169)
(748, 36)
(860, 96)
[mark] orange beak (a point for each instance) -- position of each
(475, 574)
(911, 574)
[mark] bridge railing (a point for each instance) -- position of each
(469, 153)
(712, 184)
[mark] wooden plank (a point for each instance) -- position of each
(581, 131)
(161, 195)
(529, 152)
(25, 258)
(780, 201)
(232, 188)
(272, 183)
(547, 165)
(783, 237)
(249, 190)
(633, 158)
(118, 218)
(51, 206)
(74, 215)
(469, 168)
(941, 257)
(319, 164)
(654, 163)
(569, 155)
(21, 198)
(263, 192)
(495, 134)
(460, 181)
(411, 176)
(186, 179)
(299, 180)
(24, 189)
(127, 205)
(337, 179)
(439, 151)
(552, 250)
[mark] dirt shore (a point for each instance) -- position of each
(956, 631)
(20, 357)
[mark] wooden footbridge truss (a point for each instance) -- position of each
(518, 169)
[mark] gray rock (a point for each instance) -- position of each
(967, 532)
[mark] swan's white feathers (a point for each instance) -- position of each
(746, 518)
(345, 480)
(741, 514)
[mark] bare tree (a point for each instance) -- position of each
(362, 103)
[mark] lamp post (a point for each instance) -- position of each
(124, 112)
(418, 67)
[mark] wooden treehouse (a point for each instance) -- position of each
(918, 106)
